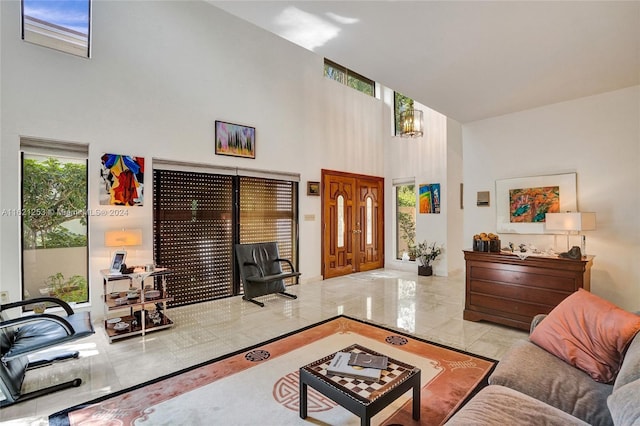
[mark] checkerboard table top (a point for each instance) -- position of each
(365, 391)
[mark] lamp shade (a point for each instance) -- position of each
(122, 238)
(570, 221)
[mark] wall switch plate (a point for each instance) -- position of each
(4, 297)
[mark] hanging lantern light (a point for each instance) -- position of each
(411, 123)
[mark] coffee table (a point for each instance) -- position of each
(363, 398)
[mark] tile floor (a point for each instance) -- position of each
(427, 307)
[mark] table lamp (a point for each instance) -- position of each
(571, 222)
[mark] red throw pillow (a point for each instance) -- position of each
(589, 333)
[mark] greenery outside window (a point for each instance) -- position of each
(54, 224)
(405, 219)
(401, 104)
(349, 78)
(62, 25)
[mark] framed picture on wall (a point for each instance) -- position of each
(235, 140)
(429, 194)
(313, 188)
(122, 180)
(521, 203)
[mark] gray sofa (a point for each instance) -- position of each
(530, 386)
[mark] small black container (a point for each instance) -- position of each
(486, 245)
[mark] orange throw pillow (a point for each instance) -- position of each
(589, 333)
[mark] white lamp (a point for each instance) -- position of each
(123, 238)
(571, 222)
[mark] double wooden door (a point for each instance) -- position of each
(353, 223)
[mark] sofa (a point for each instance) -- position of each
(532, 385)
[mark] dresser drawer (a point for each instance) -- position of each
(533, 277)
(518, 293)
(505, 307)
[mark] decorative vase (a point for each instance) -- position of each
(425, 271)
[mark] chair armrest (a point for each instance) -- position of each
(535, 321)
(36, 318)
(286, 261)
(55, 300)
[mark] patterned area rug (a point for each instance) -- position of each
(259, 385)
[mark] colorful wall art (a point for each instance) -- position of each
(122, 180)
(429, 196)
(235, 140)
(529, 205)
(521, 203)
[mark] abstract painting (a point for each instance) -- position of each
(522, 203)
(235, 140)
(429, 196)
(527, 205)
(122, 180)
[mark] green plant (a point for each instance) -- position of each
(407, 230)
(73, 289)
(426, 252)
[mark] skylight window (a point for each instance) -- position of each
(58, 24)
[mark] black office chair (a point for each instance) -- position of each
(24, 336)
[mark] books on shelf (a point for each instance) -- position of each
(339, 365)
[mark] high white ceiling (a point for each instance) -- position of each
(467, 59)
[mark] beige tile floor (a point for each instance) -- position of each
(428, 307)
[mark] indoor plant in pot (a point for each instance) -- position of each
(426, 253)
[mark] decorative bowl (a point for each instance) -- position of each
(121, 326)
(152, 294)
(111, 322)
(114, 295)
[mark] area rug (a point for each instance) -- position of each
(259, 385)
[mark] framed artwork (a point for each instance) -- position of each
(313, 188)
(429, 198)
(521, 203)
(122, 180)
(235, 140)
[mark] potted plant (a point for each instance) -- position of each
(426, 253)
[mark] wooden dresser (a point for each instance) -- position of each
(503, 289)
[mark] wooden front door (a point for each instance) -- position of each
(353, 225)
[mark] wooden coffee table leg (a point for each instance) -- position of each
(303, 399)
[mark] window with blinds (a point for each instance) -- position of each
(268, 212)
(198, 219)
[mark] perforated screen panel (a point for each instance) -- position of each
(195, 226)
(193, 234)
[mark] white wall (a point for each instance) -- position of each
(455, 216)
(425, 159)
(161, 74)
(598, 137)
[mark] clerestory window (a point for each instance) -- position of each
(349, 78)
(401, 104)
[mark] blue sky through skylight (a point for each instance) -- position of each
(71, 14)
